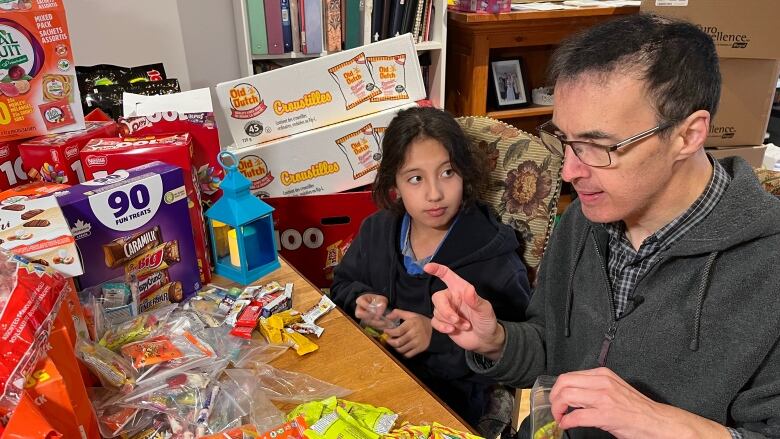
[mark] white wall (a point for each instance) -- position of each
(194, 39)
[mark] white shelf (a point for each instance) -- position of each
(436, 46)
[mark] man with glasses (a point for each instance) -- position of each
(657, 301)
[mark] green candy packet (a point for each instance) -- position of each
(339, 425)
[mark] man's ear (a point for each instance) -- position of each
(692, 133)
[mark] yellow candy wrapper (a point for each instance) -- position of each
(300, 343)
(272, 329)
(339, 425)
(409, 431)
(377, 419)
(439, 431)
(313, 411)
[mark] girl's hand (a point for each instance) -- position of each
(413, 336)
(369, 309)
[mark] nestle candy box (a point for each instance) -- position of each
(55, 157)
(103, 156)
(12, 173)
(38, 89)
(322, 91)
(135, 222)
(33, 226)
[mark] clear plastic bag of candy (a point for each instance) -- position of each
(543, 425)
(138, 328)
(111, 369)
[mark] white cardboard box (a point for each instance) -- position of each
(322, 91)
(327, 160)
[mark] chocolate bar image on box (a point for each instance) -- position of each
(14, 207)
(31, 214)
(152, 282)
(169, 293)
(159, 258)
(119, 251)
(37, 223)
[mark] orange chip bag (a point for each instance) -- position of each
(354, 80)
(362, 150)
(151, 351)
(390, 74)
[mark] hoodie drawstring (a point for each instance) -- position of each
(570, 289)
(703, 284)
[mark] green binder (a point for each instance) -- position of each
(354, 30)
(255, 11)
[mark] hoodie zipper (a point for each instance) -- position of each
(609, 336)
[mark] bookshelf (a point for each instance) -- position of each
(435, 47)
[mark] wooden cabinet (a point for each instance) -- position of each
(474, 39)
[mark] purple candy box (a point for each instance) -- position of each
(135, 220)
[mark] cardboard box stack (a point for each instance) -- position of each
(745, 36)
(316, 128)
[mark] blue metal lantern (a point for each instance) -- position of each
(241, 229)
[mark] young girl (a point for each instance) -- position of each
(426, 188)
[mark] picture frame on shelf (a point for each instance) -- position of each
(508, 83)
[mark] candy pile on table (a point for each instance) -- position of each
(200, 369)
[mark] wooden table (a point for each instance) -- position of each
(474, 39)
(349, 358)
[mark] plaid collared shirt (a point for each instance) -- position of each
(627, 266)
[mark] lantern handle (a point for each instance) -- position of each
(232, 158)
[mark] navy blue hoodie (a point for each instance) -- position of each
(478, 248)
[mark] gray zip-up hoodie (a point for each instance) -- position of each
(705, 335)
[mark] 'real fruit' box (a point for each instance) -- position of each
(38, 89)
(135, 222)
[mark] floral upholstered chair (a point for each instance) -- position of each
(523, 188)
(523, 185)
(770, 180)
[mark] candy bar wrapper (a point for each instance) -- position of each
(260, 291)
(152, 282)
(242, 331)
(165, 295)
(272, 329)
(158, 258)
(120, 251)
(250, 315)
(319, 310)
(300, 343)
(307, 328)
(281, 303)
(232, 316)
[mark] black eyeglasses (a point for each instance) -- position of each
(590, 153)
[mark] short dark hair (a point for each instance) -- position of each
(419, 123)
(676, 59)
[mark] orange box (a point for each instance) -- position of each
(38, 93)
(59, 389)
(28, 422)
